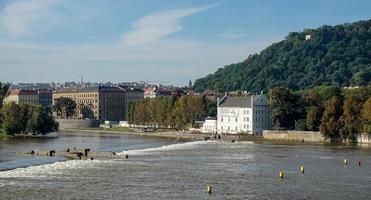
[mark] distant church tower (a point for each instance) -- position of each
(190, 84)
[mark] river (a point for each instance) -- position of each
(169, 169)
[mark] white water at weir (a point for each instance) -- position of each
(46, 170)
(186, 145)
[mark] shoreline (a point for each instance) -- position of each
(168, 134)
(188, 136)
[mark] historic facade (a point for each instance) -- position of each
(107, 103)
(249, 114)
(45, 97)
(23, 97)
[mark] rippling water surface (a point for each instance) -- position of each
(164, 169)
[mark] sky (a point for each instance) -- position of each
(173, 41)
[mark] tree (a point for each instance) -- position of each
(351, 119)
(330, 122)
(286, 107)
(64, 107)
(320, 94)
(3, 93)
(141, 115)
(4, 88)
(362, 92)
(313, 120)
(211, 108)
(21, 119)
(41, 121)
(366, 116)
(180, 113)
(12, 123)
(131, 112)
(196, 108)
(173, 111)
(171, 106)
(25, 112)
(86, 111)
(362, 77)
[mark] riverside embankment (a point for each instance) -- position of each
(267, 135)
(180, 135)
(168, 134)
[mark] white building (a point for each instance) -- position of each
(249, 114)
(209, 126)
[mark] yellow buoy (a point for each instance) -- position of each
(282, 174)
(345, 162)
(302, 169)
(209, 189)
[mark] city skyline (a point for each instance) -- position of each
(59, 40)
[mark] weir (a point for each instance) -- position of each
(74, 154)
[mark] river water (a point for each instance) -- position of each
(169, 169)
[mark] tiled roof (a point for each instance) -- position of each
(242, 102)
(23, 92)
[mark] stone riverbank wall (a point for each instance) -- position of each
(306, 136)
(77, 123)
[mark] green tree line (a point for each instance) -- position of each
(169, 112)
(341, 114)
(25, 118)
(4, 87)
(335, 55)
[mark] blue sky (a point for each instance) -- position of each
(133, 40)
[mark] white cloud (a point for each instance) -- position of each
(233, 34)
(168, 59)
(17, 17)
(152, 28)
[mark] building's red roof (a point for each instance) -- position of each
(149, 90)
(23, 92)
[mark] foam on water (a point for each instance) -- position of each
(28, 162)
(45, 170)
(186, 145)
(57, 168)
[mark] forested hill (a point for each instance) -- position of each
(334, 55)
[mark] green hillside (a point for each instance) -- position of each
(335, 55)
